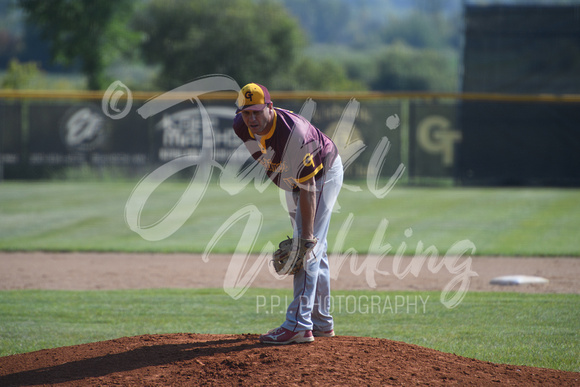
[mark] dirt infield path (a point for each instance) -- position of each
(86, 271)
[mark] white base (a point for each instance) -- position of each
(518, 280)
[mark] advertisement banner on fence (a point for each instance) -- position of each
(434, 140)
(57, 134)
(73, 134)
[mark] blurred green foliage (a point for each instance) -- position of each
(247, 40)
(92, 32)
(19, 75)
(325, 45)
(402, 67)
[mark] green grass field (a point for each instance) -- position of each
(524, 329)
(532, 329)
(62, 216)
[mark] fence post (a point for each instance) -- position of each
(405, 139)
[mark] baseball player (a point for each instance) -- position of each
(304, 162)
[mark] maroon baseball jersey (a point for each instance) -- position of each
(292, 152)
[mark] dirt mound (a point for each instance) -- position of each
(196, 359)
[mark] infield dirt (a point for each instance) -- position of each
(93, 271)
(225, 360)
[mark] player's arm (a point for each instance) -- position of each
(307, 202)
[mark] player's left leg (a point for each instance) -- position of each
(322, 321)
(312, 283)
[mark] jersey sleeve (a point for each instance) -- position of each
(240, 127)
(310, 161)
(303, 153)
(242, 132)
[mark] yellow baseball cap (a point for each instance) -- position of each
(253, 97)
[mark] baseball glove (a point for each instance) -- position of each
(289, 258)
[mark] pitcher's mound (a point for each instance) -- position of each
(199, 359)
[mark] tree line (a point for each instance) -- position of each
(266, 41)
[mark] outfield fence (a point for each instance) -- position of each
(457, 138)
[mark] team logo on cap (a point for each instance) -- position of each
(249, 95)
